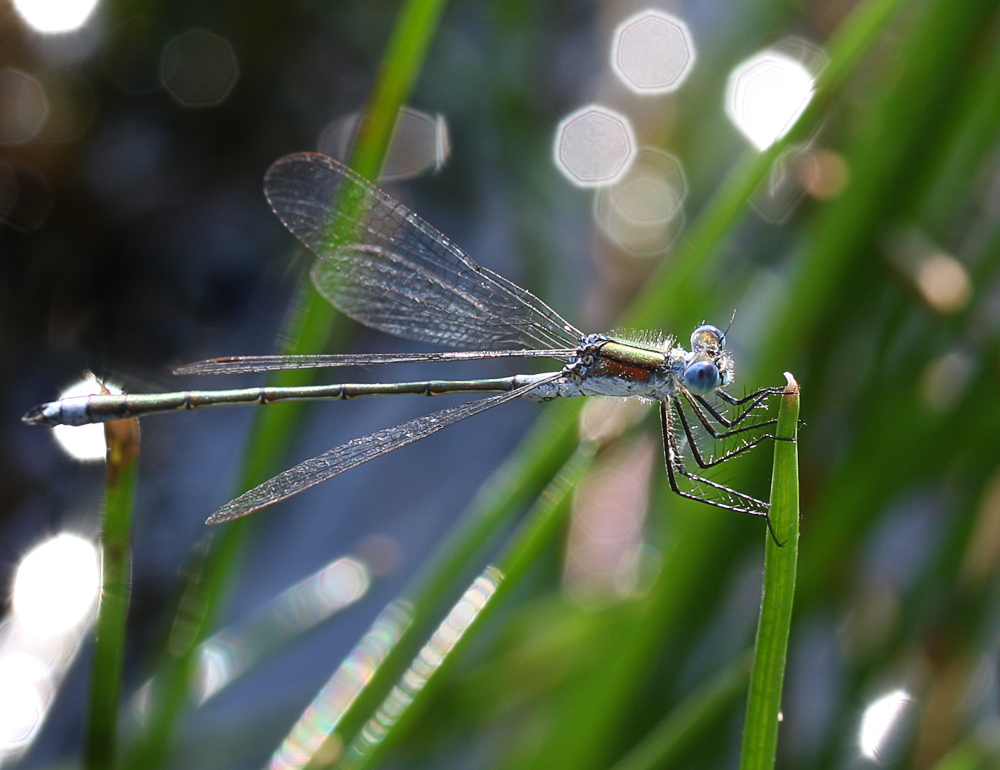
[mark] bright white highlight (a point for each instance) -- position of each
(50, 16)
(880, 721)
(652, 52)
(56, 585)
(24, 684)
(766, 94)
(83, 442)
(428, 661)
(41, 636)
(594, 146)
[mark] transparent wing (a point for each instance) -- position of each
(355, 452)
(384, 266)
(253, 364)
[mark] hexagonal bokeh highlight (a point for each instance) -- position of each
(643, 211)
(766, 94)
(420, 143)
(594, 146)
(199, 68)
(652, 52)
(23, 106)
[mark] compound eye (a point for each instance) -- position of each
(702, 377)
(707, 336)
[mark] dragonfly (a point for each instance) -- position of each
(385, 267)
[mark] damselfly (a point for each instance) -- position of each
(382, 265)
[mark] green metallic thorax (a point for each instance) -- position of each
(634, 363)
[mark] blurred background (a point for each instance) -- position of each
(619, 160)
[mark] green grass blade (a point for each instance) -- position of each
(310, 331)
(760, 730)
(688, 723)
(887, 159)
(676, 294)
(122, 438)
(970, 754)
(534, 537)
(417, 23)
(519, 479)
(585, 735)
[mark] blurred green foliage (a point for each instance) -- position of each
(879, 291)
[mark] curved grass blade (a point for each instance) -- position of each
(674, 297)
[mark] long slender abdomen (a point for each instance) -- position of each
(83, 410)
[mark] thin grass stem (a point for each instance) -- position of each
(122, 439)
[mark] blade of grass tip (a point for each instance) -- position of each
(468, 617)
(309, 331)
(122, 439)
(760, 728)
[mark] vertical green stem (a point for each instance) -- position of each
(760, 730)
(122, 437)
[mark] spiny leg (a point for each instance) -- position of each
(675, 468)
(675, 465)
(707, 423)
(693, 443)
(755, 400)
(757, 396)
